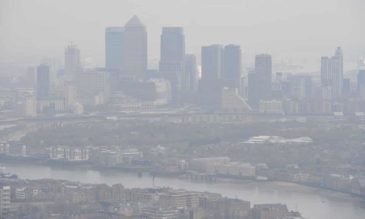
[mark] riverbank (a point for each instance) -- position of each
(143, 172)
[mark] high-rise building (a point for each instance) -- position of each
(114, 48)
(346, 87)
(190, 81)
(332, 74)
(212, 62)
(211, 81)
(172, 58)
(260, 82)
(134, 49)
(263, 69)
(72, 60)
(43, 82)
(4, 201)
(232, 66)
(361, 84)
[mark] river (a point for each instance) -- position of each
(311, 202)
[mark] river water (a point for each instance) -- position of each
(311, 202)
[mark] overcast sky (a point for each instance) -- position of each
(296, 30)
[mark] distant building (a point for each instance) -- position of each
(210, 86)
(260, 81)
(190, 79)
(70, 94)
(300, 86)
(114, 48)
(172, 58)
(346, 87)
(68, 154)
(179, 199)
(231, 72)
(211, 62)
(134, 49)
(4, 148)
(155, 212)
(332, 75)
(269, 211)
(5, 203)
(271, 106)
(43, 82)
(361, 84)
(93, 88)
(51, 105)
(30, 107)
(72, 61)
(223, 166)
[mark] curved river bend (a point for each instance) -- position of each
(311, 202)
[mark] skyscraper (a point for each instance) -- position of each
(114, 48)
(211, 84)
(260, 82)
(72, 60)
(212, 62)
(190, 81)
(172, 58)
(43, 82)
(361, 84)
(332, 74)
(134, 49)
(263, 69)
(232, 66)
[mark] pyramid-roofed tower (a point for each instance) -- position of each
(134, 22)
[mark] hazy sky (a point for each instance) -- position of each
(296, 30)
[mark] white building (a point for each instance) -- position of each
(5, 203)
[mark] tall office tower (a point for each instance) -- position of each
(43, 82)
(361, 84)
(190, 81)
(232, 66)
(332, 74)
(172, 58)
(252, 90)
(72, 60)
(4, 201)
(114, 48)
(134, 49)
(260, 82)
(210, 84)
(346, 87)
(212, 62)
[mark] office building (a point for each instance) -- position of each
(231, 72)
(114, 48)
(332, 75)
(4, 201)
(43, 82)
(134, 49)
(211, 81)
(190, 81)
(211, 62)
(260, 81)
(72, 61)
(361, 84)
(172, 58)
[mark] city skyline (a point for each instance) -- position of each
(255, 35)
(208, 109)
